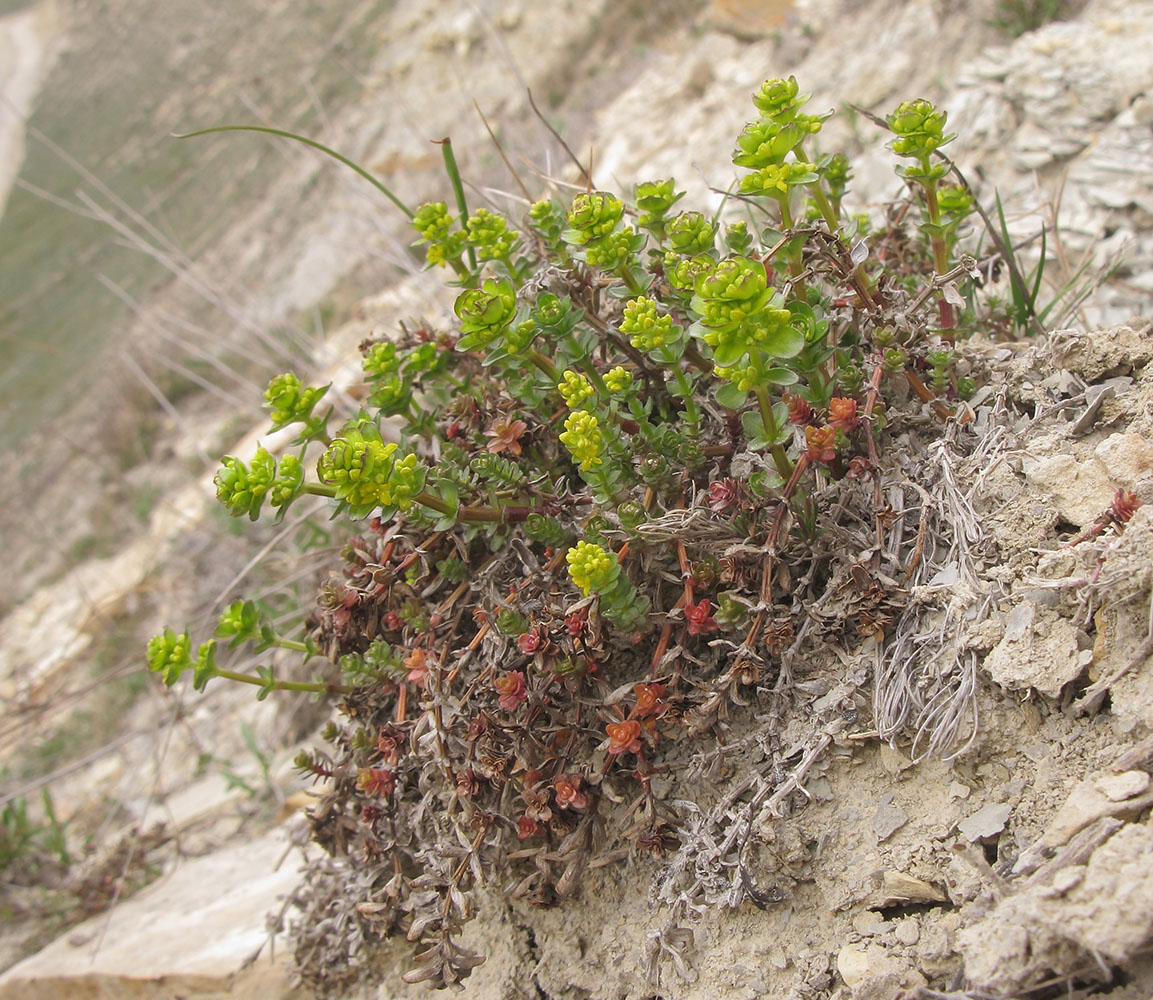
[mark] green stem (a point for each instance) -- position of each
(684, 391)
(940, 250)
(828, 213)
(316, 687)
(625, 273)
(594, 377)
(473, 515)
(544, 365)
(780, 457)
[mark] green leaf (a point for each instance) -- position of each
(268, 682)
(785, 342)
(205, 668)
(754, 429)
(781, 376)
(730, 396)
(731, 352)
(308, 142)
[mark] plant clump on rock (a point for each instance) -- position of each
(649, 463)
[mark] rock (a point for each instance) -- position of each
(1089, 801)
(1114, 351)
(205, 919)
(908, 931)
(748, 19)
(873, 974)
(888, 818)
(1127, 458)
(1080, 490)
(1040, 650)
(1120, 787)
(899, 888)
(986, 822)
(1104, 909)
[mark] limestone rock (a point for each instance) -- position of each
(986, 822)
(874, 974)
(1039, 650)
(206, 919)
(1103, 909)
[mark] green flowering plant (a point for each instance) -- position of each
(591, 483)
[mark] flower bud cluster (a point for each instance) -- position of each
(765, 144)
(592, 568)
(648, 330)
(595, 570)
(584, 439)
(490, 236)
(742, 316)
(775, 179)
(434, 224)
(611, 251)
(170, 655)
(576, 389)
(366, 471)
(654, 199)
(919, 129)
(485, 313)
(293, 403)
(593, 216)
(618, 379)
(243, 488)
(691, 233)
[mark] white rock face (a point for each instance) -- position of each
(206, 918)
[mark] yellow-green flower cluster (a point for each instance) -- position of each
(592, 568)
(243, 488)
(490, 235)
(744, 377)
(594, 215)
(584, 439)
(736, 288)
(434, 224)
(766, 141)
(292, 402)
(366, 472)
(618, 379)
(779, 97)
(485, 313)
(608, 253)
(170, 654)
(654, 199)
(775, 179)
(381, 359)
(920, 129)
(691, 233)
(576, 389)
(432, 221)
(742, 315)
(955, 200)
(683, 272)
(290, 478)
(647, 328)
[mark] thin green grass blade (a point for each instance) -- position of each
(453, 172)
(1040, 273)
(1019, 306)
(307, 142)
(721, 207)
